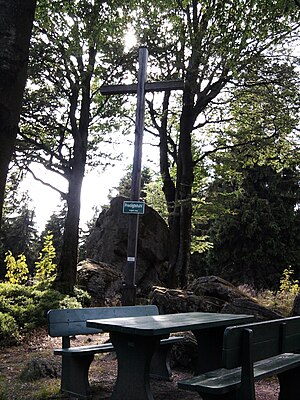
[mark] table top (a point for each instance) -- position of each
(153, 325)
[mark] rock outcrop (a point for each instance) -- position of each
(107, 244)
(102, 281)
(209, 294)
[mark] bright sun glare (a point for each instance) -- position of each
(130, 39)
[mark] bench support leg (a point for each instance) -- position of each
(74, 375)
(289, 385)
(160, 363)
(134, 356)
(210, 342)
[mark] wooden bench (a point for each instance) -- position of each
(76, 360)
(250, 353)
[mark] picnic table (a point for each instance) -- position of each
(136, 338)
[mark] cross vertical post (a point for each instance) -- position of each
(129, 286)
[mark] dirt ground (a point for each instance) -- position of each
(14, 361)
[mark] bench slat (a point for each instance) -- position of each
(250, 353)
(71, 351)
(225, 380)
(70, 322)
(106, 347)
(265, 340)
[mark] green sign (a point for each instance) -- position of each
(133, 207)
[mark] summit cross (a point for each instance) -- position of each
(142, 86)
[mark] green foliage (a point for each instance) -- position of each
(200, 244)
(124, 186)
(65, 118)
(82, 296)
(288, 284)
(213, 45)
(25, 304)
(256, 180)
(16, 270)
(92, 34)
(69, 302)
(45, 268)
(9, 333)
(283, 299)
(18, 233)
(259, 237)
(55, 225)
(25, 307)
(155, 198)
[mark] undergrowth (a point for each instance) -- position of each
(23, 308)
(24, 302)
(280, 300)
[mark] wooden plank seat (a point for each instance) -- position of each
(250, 353)
(76, 360)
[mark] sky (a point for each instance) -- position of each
(95, 189)
(45, 201)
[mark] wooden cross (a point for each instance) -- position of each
(129, 287)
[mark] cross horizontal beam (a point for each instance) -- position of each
(149, 87)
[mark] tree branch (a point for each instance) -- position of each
(232, 146)
(63, 194)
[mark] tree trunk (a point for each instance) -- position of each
(67, 267)
(194, 102)
(66, 276)
(16, 18)
(168, 184)
(182, 218)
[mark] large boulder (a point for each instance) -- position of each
(107, 243)
(102, 281)
(209, 294)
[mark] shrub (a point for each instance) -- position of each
(26, 306)
(9, 332)
(283, 299)
(82, 296)
(44, 267)
(69, 302)
(16, 270)
(17, 301)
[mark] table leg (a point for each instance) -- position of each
(134, 355)
(210, 342)
(289, 387)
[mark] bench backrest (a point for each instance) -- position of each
(263, 339)
(72, 321)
